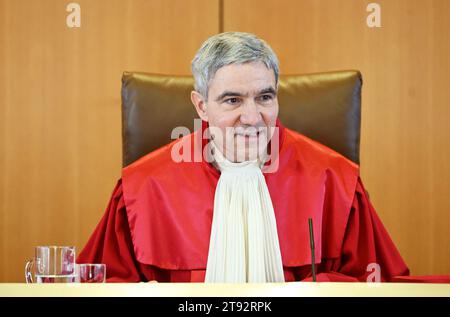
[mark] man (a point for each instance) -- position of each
(240, 214)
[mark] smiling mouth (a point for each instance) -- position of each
(248, 136)
(252, 135)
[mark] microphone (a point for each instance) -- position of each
(311, 245)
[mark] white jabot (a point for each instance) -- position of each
(244, 244)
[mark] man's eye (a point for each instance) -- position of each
(265, 97)
(232, 101)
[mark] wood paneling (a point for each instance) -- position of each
(405, 146)
(60, 105)
(60, 108)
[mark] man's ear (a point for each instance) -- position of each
(200, 105)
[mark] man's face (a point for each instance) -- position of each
(242, 106)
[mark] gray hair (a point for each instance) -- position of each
(229, 48)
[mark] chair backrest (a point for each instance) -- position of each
(323, 106)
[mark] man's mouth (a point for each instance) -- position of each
(252, 133)
(249, 135)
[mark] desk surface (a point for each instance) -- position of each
(297, 289)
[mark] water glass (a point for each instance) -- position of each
(51, 264)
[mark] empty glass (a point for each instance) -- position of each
(51, 264)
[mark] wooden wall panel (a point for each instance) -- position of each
(405, 118)
(60, 129)
(60, 105)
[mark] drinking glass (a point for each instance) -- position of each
(91, 273)
(51, 264)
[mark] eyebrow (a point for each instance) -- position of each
(268, 90)
(228, 93)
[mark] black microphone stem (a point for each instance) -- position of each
(311, 244)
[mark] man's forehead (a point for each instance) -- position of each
(245, 91)
(244, 79)
(258, 69)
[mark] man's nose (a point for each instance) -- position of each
(250, 114)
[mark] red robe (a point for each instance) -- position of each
(157, 225)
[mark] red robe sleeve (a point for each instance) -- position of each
(111, 243)
(367, 248)
(367, 245)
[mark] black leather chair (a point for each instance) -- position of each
(324, 106)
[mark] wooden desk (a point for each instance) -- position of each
(298, 289)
